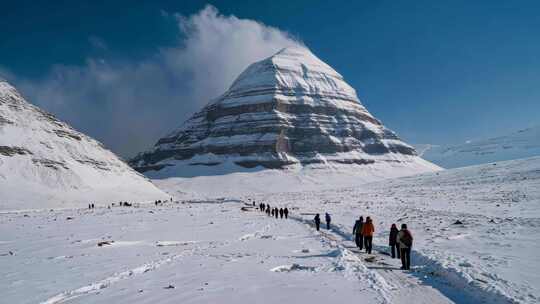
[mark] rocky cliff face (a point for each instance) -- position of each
(288, 109)
(46, 163)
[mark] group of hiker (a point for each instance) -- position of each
(274, 212)
(317, 220)
(400, 241)
(91, 206)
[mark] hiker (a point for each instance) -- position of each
(405, 240)
(281, 212)
(328, 220)
(392, 242)
(317, 220)
(286, 212)
(357, 232)
(89, 206)
(367, 232)
(276, 212)
(93, 206)
(273, 210)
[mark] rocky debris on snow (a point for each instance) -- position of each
(103, 243)
(458, 222)
(169, 287)
(69, 218)
(292, 267)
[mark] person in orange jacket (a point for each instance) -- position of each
(367, 232)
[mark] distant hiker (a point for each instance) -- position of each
(367, 232)
(89, 206)
(281, 212)
(405, 240)
(286, 212)
(392, 241)
(273, 211)
(317, 220)
(253, 203)
(276, 212)
(93, 206)
(328, 220)
(357, 232)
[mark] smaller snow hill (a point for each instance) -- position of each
(475, 227)
(228, 179)
(45, 163)
(520, 144)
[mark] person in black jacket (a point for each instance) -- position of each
(357, 232)
(328, 220)
(392, 241)
(286, 212)
(317, 220)
(281, 212)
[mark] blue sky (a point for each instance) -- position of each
(126, 73)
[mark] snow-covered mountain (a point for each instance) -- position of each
(288, 110)
(46, 163)
(521, 144)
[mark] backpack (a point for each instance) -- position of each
(407, 238)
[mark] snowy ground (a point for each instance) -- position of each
(212, 252)
(493, 255)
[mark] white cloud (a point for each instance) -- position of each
(128, 106)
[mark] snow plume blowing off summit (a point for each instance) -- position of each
(165, 87)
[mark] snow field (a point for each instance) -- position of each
(188, 253)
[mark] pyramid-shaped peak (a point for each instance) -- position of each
(295, 70)
(286, 110)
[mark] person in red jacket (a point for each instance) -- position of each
(367, 231)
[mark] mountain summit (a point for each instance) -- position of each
(286, 110)
(46, 163)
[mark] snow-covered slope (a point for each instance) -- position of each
(46, 163)
(476, 227)
(520, 144)
(288, 110)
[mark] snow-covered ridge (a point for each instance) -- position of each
(520, 144)
(286, 110)
(44, 162)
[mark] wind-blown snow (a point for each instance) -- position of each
(45, 163)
